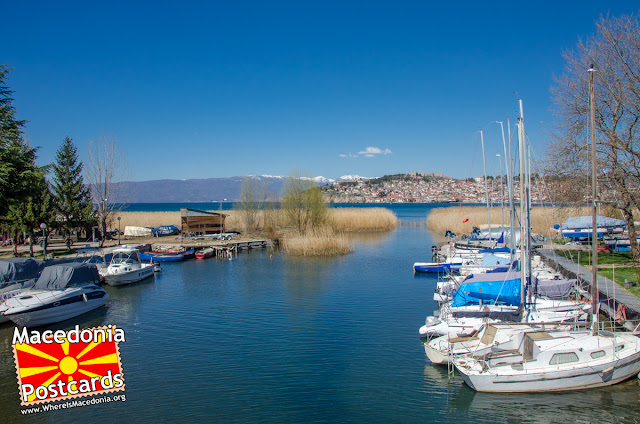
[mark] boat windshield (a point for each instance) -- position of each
(124, 258)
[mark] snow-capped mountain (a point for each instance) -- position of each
(198, 190)
(352, 178)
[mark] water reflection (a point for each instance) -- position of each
(617, 403)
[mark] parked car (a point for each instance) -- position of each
(55, 237)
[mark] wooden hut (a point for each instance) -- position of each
(195, 221)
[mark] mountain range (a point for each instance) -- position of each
(200, 190)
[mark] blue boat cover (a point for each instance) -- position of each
(489, 260)
(496, 250)
(18, 269)
(580, 222)
(499, 287)
(165, 230)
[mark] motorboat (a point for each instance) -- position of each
(125, 267)
(61, 292)
(207, 252)
(16, 276)
(167, 256)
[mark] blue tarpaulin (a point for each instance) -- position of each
(497, 287)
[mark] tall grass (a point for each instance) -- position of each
(362, 219)
(542, 218)
(317, 242)
(149, 219)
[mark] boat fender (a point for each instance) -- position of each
(84, 298)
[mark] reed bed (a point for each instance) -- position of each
(148, 219)
(542, 218)
(362, 219)
(322, 241)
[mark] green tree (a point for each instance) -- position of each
(302, 202)
(71, 198)
(26, 216)
(18, 171)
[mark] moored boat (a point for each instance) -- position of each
(207, 252)
(126, 268)
(62, 292)
(167, 256)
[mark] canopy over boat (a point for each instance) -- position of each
(58, 277)
(499, 287)
(582, 222)
(17, 269)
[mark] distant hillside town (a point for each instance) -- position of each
(418, 187)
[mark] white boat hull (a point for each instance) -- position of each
(510, 374)
(37, 307)
(128, 276)
(588, 377)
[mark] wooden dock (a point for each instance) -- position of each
(221, 248)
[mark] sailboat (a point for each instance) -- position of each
(544, 360)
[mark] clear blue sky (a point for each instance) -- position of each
(216, 89)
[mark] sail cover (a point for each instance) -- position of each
(58, 277)
(497, 287)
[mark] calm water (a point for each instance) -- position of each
(269, 339)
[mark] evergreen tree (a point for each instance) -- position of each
(18, 171)
(71, 198)
(26, 216)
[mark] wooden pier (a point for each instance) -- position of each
(221, 248)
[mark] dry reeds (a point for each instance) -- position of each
(149, 219)
(542, 218)
(318, 242)
(362, 219)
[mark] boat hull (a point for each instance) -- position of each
(48, 308)
(129, 277)
(436, 268)
(167, 257)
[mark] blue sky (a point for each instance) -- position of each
(217, 89)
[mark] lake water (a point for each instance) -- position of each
(266, 338)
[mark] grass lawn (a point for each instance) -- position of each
(631, 274)
(614, 258)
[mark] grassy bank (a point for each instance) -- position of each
(542, 218)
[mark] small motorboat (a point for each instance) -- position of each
(62, 292)
(16, 276)
(167, 256)
(126, 268)
(207, 252)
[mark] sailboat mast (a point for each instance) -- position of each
(594, 234)
(486, 187)
(523, 247)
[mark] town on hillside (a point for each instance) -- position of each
(420, 187)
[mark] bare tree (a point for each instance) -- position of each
(254, 195)
(614, 52)
(105, 169)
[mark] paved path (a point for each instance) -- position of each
(611, 294)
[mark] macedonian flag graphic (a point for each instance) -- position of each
(67, 367)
